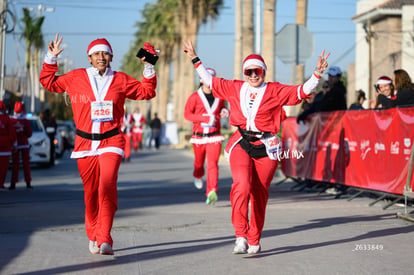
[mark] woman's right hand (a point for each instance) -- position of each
(189, 49)
(53, 46)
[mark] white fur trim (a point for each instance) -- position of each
(383, 81)
(100, 48)
(82, 154)
(205, 140)
(255, 62)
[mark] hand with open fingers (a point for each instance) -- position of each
(53, 46)
(189, 49)
(322, 63)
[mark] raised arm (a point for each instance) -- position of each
(201, 70)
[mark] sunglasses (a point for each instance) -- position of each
(325, 86)
(256, 71)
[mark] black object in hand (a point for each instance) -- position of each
(149, 57)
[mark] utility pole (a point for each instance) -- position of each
(3, 4)
(368, 37)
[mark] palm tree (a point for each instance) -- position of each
(238, 33)
(169, 22)
(269, 17)
(248, 31)
(32, 33)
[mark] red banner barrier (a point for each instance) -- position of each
(369, 149)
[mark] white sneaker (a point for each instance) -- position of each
(93, 247)
(198, 183)
(241, 246)
(254, 249)
(106, 249)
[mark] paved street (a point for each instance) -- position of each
(163, 226)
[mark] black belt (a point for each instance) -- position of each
(94, 136)
(207, 135)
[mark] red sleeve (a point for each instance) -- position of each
(50, 81)
(190, 110)
(137, 90)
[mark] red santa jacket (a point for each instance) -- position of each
(205, 118)
(7, 135)
(81, 87)
(267, 112)
(23, 131)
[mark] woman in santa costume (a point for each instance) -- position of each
(253, 150)
(97, 96)
(205, 111)
(126, 128)
(7, 142)
(137, 129)
(23, 132)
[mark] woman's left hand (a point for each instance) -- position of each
(322, 64)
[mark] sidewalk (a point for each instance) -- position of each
(163, 226)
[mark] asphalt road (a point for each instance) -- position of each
(163, 226)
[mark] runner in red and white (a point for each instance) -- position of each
(23, 132)
(205, 111)
(97, 95)
(138, 129)
(126, 129)
(8, 142)
(257, 112)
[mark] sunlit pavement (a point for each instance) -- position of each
(163, 226)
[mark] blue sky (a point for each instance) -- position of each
(81, 21)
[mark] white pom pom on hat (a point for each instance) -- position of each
(99, 45)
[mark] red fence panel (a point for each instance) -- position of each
(368, 149)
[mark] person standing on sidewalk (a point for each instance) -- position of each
(155, 125)
(205, 111)
(8, 142)
(253, 150)
(98, 96)
(23, 132)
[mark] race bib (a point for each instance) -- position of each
(273, 146)
(101, 111)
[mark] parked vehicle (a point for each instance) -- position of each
(66, 129)
(39, 142)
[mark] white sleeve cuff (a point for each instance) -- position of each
(204, 75)
(50, 58)
(149, 71)
(310, 85)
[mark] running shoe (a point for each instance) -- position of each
(254, 249)
(211, 198)
(93, 247)
(198, 183)
(106, 249)
(241, 246)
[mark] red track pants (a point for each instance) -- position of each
(212, 151)
(127, 149)
(136, 140)
(251, 181)
(4, 166)
(16, 165)
(99, 175)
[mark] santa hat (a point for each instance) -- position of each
(18, 107)
(254, 59)
(384, 80)
(211, 71)
(99, 45)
